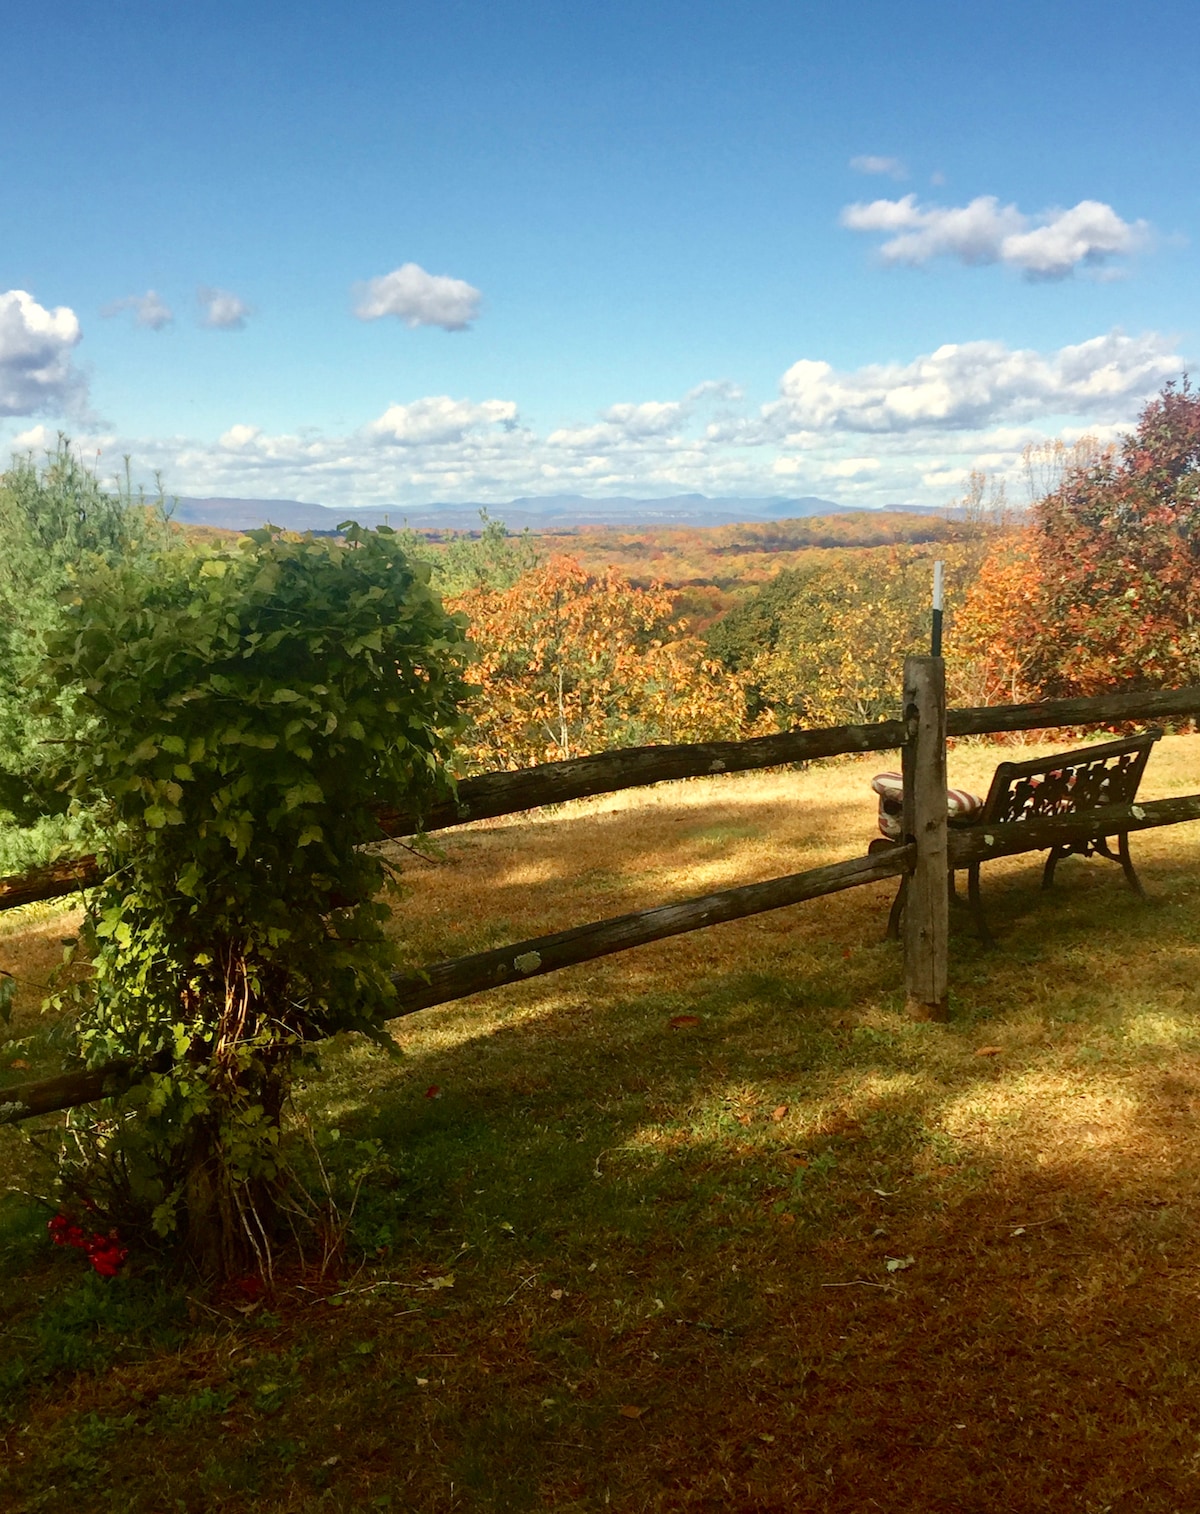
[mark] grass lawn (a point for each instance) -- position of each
(706, 1226)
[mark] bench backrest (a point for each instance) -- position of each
(1068, 782)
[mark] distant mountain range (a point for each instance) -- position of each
(555, 512)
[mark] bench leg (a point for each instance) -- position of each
(1101, 848)
(976, 903)
(896, 915)
(1057, 853)
(1131, 877)
(897, 910)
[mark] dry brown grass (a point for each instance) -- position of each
(669, 1246)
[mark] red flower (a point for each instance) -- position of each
(65, 1232)
(106, 1253)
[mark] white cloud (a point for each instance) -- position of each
(850, 467)
(1050, 245)
(869, 163)
(35, 439)
(149, 309)
(905, 432)
(660, 426)
(37, 375)
(438, 420)
(623, 425)
(221, 310)
(973, 384)
(418, 299)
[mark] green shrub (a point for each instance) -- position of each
(236, 718)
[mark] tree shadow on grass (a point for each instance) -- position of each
(696, 1223)
(669, 1243)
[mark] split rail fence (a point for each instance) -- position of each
(930, 848)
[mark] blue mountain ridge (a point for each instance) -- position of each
(556, 512)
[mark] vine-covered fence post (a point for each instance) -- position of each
(927, 910)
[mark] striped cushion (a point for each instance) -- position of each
(960, 805)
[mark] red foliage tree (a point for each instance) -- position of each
(1117, 560)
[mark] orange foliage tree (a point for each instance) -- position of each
(571, 662)
(994, 648)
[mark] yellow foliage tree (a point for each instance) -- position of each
(843, 636)
(570, 662)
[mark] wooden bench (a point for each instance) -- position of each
(1067, 783)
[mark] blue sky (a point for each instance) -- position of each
(411, 252)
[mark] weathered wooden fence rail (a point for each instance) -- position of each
(492, 795)
(443, 982)
(931, 849)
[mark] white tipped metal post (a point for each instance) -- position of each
(935, 640)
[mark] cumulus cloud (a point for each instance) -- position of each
(850, 467)
(620, 425)
(418, 299)
(904, 432)
(221, 310)
(1051, 245)
(149, 309)
(972, 384)
(659, 426)
(869, 163)
(37, 375)
(438, 420)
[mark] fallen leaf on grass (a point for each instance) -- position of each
(899, 1263)
(795, 1159)
(989, 1051)
(441, 1282)
(433, 1092)
(631, 1411)
(556, 1293)
(745, 1119)
(780, 1113)
(683, 1022)
(20, 1064)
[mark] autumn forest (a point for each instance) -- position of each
(603, 638)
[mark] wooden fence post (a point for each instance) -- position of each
(927, 909)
